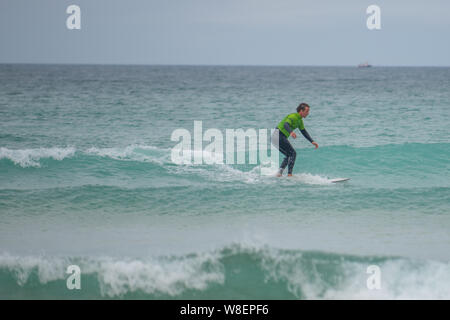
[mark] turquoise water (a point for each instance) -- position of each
(86, 178)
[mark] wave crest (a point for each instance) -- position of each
(31, 157)
(260, 272)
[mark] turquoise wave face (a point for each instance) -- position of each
(233, 272)
(422, 163)
(86, 173)
(392, 177)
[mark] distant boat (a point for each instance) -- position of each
(364, 65)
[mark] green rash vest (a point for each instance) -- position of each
(295, 121)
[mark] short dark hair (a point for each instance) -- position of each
(302, 106)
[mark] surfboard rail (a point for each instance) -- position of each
(339, 180)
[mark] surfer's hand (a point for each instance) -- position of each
(293, 135)
(315, 144)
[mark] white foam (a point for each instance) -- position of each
(47, 269)
(219, 173)
(31, 157)
(262, 173)
(169, 276)
(131, 153)
(400, 278)
(310, 179)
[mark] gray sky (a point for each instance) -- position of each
(224, 32)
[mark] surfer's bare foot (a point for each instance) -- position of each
(279, 174)
(290, 175)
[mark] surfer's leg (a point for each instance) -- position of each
(284, 149)
(289, 152)
(291, 160)
(279, 141)
(282, 143)
(283, 165)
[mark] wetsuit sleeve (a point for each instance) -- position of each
(306, 135)
(287, 127)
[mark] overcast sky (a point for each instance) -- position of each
(226, 32)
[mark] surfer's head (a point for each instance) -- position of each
(303, 109)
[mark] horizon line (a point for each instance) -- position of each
(215, 65)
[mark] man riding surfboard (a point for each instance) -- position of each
(285, 129)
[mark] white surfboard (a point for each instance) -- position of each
(339, 180)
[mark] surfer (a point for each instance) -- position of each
(286, 127)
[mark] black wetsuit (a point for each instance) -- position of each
(280, 141)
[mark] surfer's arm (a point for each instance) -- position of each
(308, 137)
(288, 129)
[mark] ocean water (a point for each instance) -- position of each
(86, 179)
